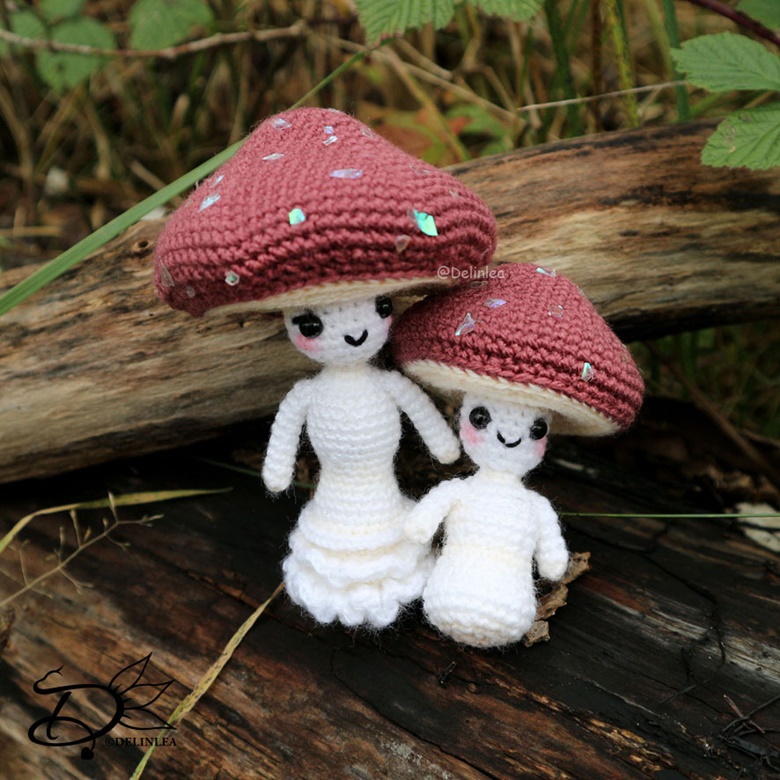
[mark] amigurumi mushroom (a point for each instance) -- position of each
(318, 217)
(532, 356)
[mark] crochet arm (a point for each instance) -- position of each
(425, 417)
(422, 522)
(552, 557)
(285, 436)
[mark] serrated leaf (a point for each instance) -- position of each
(765, 11)
(65, 71)
(517, 10)
(728, 61)
(27, 25)
(157, 24)
(386, 17)
(746, 139)
(60, 9)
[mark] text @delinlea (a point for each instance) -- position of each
(469, 274)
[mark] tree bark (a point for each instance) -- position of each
(95, 366)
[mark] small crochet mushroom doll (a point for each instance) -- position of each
(319, 218)
(531, 356)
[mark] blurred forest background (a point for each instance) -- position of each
(83, 138)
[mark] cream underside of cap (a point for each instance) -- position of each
(335, 292)
(569, 416)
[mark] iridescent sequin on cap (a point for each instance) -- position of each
(401, 242)
(346, 173)
(296, 216)
(209, 200)
(468, 324)
(424, 221)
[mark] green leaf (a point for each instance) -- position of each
(60, 9)
(517, 10)
(27, 25)
(65, 71)
(728, 61)
(748, 139)
(157, 24)
(386, 17)
(765, 11)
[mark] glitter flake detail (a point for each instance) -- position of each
(556, 311)
(346, 173)
(587, 372)
(190, 292)
(167, 279)
(401, 242)
(468, 324)
(420, 170)
(280, 124)
(296, 217)
(217, 180)
(274, 156)
(331, 139)
(494, 303)
(232, 278)
(368, 132)
(424, 221)
(546, 272)
(209, 200)
(329, 130)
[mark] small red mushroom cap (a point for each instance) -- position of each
(316, 207)
(526, 335)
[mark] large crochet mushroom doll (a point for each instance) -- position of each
(318, 217)
(531, 356)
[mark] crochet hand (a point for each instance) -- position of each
(276, 481)
(420, 526)
(422, 522)
(553, 568)
(446, 449)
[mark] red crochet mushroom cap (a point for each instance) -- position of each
(529, 335)
(315, 207)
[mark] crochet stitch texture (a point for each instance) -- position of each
(316, 198)
(349, 559)
(528, 334)
(481, 591)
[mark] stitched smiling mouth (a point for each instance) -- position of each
(356, 342)
(508, 444)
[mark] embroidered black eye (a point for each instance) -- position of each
(384, 307)
(309, 324)
(479, 417)
(539, 429)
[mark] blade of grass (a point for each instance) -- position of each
(78, 252)
(93, 242)
(128, 499)
(563, 63)
(673, 34)
(208, 679)
(614, 22)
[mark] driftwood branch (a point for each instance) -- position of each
(96, 367)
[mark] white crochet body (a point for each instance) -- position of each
(349, 559)
(481, 591)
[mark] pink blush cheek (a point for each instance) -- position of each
(307, 346)
(540, 447)
(470, 435)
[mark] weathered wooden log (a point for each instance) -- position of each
(95, 366)
(663, 645)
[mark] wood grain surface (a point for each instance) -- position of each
(94, 366)
(662, 644)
